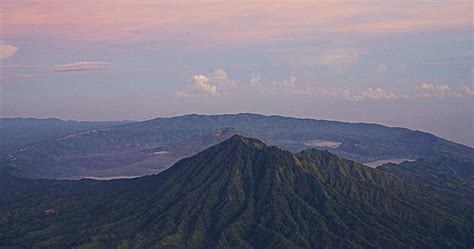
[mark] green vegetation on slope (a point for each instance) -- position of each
(240, 193)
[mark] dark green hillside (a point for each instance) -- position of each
(444, 176)
(447, 169)
(238, 194)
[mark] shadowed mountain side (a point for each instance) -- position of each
(239, 193)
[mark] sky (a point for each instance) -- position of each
(398, 63)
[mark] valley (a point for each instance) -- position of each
(149, 147)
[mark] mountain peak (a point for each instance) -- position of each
(239, 193)
(248, 141)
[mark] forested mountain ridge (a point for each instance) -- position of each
(144, 147)
(239, 193)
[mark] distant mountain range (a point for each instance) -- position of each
(20, 132)
(148, 147)
(243, 193)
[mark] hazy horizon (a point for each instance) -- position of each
(466, 140)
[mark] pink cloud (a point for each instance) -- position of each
(7, 51)
(223, 23)
(81, 66)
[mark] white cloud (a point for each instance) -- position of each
(345, 93)
(431, 90)
(287, 83)
(212, 84)
(289, 86)
(219, 74)
(254, 81)
(468, 90)
(182, 94)
(7, 51)
(201, 82)
(431, 87)
(443, 90)
(284, 86)
(219, 77)
(340, 93)
(377, 93)
(339, 57)
(81, 66)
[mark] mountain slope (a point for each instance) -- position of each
(61, 159)
(240, 193)
(117, 151)
(19, 132)
(448, 178)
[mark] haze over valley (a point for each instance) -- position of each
(141, 148)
